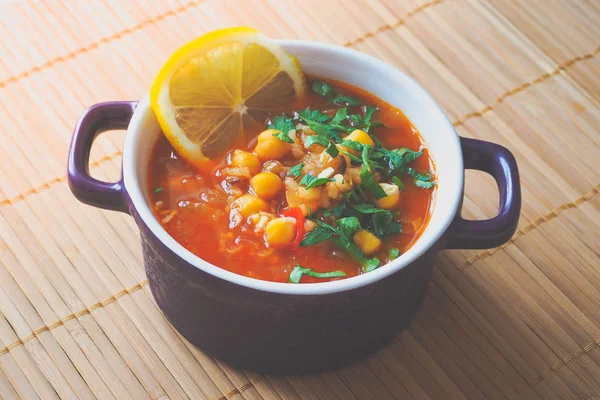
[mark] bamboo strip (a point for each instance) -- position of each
(393, 26)
(538, 332)
(466, 356)
(586, 349)
(88, 346)
(99, 42)
(492, 364)
(24, 374)
(163, 16)
(123, 375)
(525, 85)
(548, 217)
(7, 391)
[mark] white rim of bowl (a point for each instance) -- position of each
(420, 247)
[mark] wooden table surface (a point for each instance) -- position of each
(77, 319)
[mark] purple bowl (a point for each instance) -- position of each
(286, 328)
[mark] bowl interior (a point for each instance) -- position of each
(357, 69)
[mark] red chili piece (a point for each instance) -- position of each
(296, 213)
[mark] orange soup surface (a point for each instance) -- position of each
(282, 207)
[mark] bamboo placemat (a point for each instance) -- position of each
(77, 319)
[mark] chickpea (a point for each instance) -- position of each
(367, 242)
(392, 199)
(359, 136)
(280, 232)
(266, 185)
(249, 204)
(269, 147)
(241, 159)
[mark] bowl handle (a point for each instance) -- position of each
(499, 162)
(95, 120)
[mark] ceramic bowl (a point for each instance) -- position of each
(300, 328)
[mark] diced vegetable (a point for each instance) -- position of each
(367, 242)
(392, 199)
(299, 270)
(298, 215)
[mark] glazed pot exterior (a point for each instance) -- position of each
(283, 328)
(280, 333)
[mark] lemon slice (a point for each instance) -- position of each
(214, 85)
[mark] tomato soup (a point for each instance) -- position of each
(336, 185)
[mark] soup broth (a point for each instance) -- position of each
(202, 210)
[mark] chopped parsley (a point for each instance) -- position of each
(284, 125)
(284, 137)
(372, 264)
(340, 115)
(421, 180)
(322, 88)
(159, 189)
(317, 235)
(381, 221)
(299, 271)
(346, 100)
(348, 226)
(352, 145)
(396, 181)
(340, 237)
(316, 139)
(296, 170)
(366, 175)
(311, 181)
(358, 208)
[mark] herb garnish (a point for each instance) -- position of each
(366, 175)
(347, 100)
(322, 88)
(330, 147)
(381, 221)
(296, 170)
(159, 189)
(311, 181)
(299, 270)
(340, 115)
(372, 264)
(357, 210)
(396, 181)
(421, 180)
(324, 231)
(348, 226)
(284, 125)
